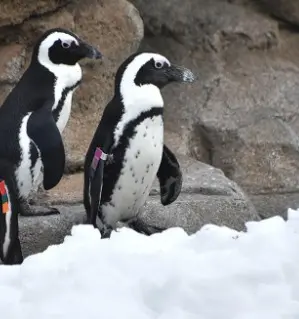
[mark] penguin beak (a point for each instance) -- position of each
(177, 73)
(89, 51)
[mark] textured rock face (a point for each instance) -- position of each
(113, 26)
(15, 12)
(242, 115)
(207, 197)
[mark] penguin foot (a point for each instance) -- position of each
(14, 255)
(106, 232)
(34, 211)
(142, 228)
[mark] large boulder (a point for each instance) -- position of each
(114, 26)
(14, 12)
(287, 10)
(207, 197)
(242, 115)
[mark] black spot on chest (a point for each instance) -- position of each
(113, 170)
(33, 155)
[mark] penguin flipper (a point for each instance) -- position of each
(43, 131)
(96, 175)
(170, 177)
(95, 192)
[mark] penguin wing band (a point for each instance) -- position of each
(4, 198)
(98, 155)
(43, 131)
(97, 174)
(170, 177)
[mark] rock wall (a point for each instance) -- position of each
(114, 26)
(242, 116)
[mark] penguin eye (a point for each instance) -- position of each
(65, 45)
(158, 65)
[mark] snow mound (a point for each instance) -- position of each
(215, 273)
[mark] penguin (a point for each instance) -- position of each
(127, 151)
(51, 78)
(31, 143)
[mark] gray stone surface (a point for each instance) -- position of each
(287, 10)
(269, 205)
(242, 115)
(37, 233)
(207, 197)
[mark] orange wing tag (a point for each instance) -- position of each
(4, 198)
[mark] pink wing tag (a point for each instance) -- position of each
(99, 154)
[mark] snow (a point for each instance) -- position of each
(215, 273)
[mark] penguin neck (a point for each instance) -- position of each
(140, 98)
(67, 75)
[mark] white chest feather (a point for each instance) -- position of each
(27, 175)
(141, 163)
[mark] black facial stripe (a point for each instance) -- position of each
(46, 34)
(60, 55)
(59, 107)
(33, 157)
(150, 74)
(142, 76)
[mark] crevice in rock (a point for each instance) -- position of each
(73, 167)
(50, 12)
(163, 31)
(286, 25)
(200, 144)
(8, 82)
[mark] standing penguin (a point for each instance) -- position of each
(52, 76)
(127, 151)
(31, 144)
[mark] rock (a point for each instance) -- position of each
(287, 10)
(207, 25)
(119, 34)
(207, 197)
(269, 205)
(15, 12)
(242, 114)
(12, 62)
(115, 27)
(37, 233)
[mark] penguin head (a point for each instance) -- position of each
(152, 69)
(62, 47)
(140, 78)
